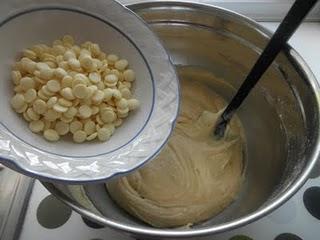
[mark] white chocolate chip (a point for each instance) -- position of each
(79, 136)
(17, 101)
(18, 89)
(30, 54)
(60, 73)
(95, 110)
(30, 95)
(69, 55)
(64, 102)
(87, 62)
(28, 65)
(75, 126)
(68, 39)
(53, 86)
(65, 119)
(95, 77)
(98, 120)
(112, 58)
(122, 115)
(129, 75)
(107, 94)
(47, 124)
(32, 114)
(36, 126)
(74, 63)
(72, 111)
(89, 127)
(16, 77)
(67, 93)
(125, 92)
(51, 135)
(108, 116)
(133, 104)
(46, 73)
(27, 83)
(42, 96)
(80, 91)
(80, 78)
(110, 127)
(52, 101)
(104, 134)
(121, 64)
(22, 109)
(98, 97)
(91, 91)
(126, 84)
(111, 80)
(51, 115)
(66, 81)
(118, 122)
(62, 128)
(85, 111)
(92, 136)
(122, 103)
(116, 94)
(100, 85)
(60, 109)
(25, 116)
(40, 106)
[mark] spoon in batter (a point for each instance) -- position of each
(286, 29)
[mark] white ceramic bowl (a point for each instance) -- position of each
(116, 30)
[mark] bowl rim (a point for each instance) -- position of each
(263, 211)
(155, 65)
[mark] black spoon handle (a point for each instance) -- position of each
(287, 27)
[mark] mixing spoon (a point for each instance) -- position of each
(287, 27)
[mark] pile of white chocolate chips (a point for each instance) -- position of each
(73, 89)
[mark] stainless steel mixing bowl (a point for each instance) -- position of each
(280, 117)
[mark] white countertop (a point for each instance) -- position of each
(306, 41)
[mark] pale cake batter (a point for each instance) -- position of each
(194, 177)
